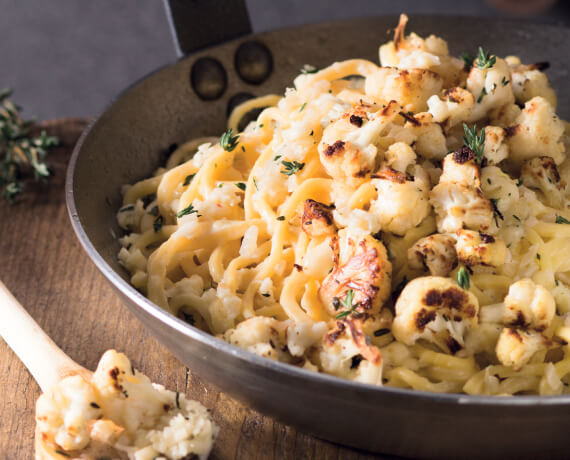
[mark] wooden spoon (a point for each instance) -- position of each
(48, 364)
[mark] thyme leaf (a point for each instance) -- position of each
(484, 59)
(473, 141)
(187, 211)
(18, 151)
(561, 220)
(291, 167)
(463, 278)
(228, 141)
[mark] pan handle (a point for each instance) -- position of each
(196, 24)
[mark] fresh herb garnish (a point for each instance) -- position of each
(228, 141)
(496, 212)
(516, 218)
(94, 405)
(276, 157)
(561, 220)
(188, 179)
(463, 278)
(303, 107)
(504, 81)
(381, 332)
(482, 95)
(19, 151)
(281, 218)
(241, 185)
(538, 256)
(61, 452)
(473, 141)
(467, 60)
(157, 224)
(347, 303)
(186, 211)
(484, 60)
(255, 183)
(291, 167)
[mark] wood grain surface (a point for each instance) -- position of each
(43, 265)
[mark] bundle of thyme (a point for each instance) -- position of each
(19, 152)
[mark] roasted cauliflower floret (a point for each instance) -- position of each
(360, 264)
(399, 156)
(402, 202)
(430, 140)
(348, 151)
(414, 52)
(435, 253)
(496, 148)
(457, 206)
(477, 248)
(457, 199)
(505, 115)
(317, 219)
(488, 89)
(537, 132)
(261, 335)
(435, 309)
(453, 107)
(411, 88)
(516, 347)
(347, 352)
(542, 174)
(529, 305)
(459, 167)
(528, 81)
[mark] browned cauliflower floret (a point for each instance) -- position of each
(317, 219)
(487, 87)
(261, 335)
(412, 51)
(458, 200)
(360, 264)
(347, 150)
(541, 173)
(403, 201)
(399, 156)
(459, 167)
(529, 305)
(435, 309)
(453, 107)
(477, 248)
(516, 347)
(528, 310)
(529, 81)
(411, 88)
(496, 148)
(435, 253)
(537, 132)
(430, 140)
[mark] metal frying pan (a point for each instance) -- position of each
(191, 98)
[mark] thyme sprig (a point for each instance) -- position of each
(291, 167)
(473, 141)
(484, 59)
(228, 141)
(350, 308)
(18, 151)
(463, 278)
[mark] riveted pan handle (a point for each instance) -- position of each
(196, 24)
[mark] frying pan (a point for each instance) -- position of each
(192, 98)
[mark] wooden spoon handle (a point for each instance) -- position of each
(43, 358)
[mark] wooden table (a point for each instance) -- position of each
(43, 265)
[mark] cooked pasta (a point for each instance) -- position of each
(404, 225)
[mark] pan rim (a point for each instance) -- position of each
(193, 333)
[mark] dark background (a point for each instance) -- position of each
(71, 57)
